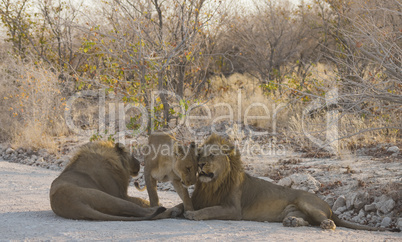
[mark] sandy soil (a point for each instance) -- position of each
(25, 214)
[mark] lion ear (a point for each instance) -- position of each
(200, 151)
(120, 147)
(178, 149)
(227, 149)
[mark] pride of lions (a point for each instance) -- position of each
(93, 186)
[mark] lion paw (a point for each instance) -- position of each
(294, 222)
(192, 215)
(327, 224)
(175, 212)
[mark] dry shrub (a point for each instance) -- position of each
(354, 131)
(32, 105)
(355, 128)
(243, 93)
(359, 122)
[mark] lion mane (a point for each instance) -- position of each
(218, 192)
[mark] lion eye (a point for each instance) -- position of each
(189, 169)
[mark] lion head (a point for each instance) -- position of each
(219, 171)
(133, 165)
(117, 154)
(217, 159)
(186, 163)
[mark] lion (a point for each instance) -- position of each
(94, 184)
(169, 161)
(225, 191)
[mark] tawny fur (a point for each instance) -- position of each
(179, 166)
(218, 192)
(225, 191)
(94, 185)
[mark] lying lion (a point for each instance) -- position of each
(170, 161)
(94, 184)
(225, 191)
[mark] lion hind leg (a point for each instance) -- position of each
(292, 221)
(318, 214)
(294, 217)
(109, 204)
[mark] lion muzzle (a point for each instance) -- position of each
(210, 174)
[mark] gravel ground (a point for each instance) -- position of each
(25, 214)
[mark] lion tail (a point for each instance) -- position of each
(137, 185)
(342, 223)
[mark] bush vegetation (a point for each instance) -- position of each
(276, 53)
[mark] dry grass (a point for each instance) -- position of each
(355, 130)
(32, 105)
(32, 109)
(245, 97)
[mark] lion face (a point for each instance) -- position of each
(213, 163)
(134, 164)
(126, 157)
(186, 164)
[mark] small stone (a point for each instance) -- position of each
(360, 218)
(340, 202)
(341, 210)
(393, 149)
(350, 212)
(9, 151)
(399, 223)
(386, 222)
(349, 203)
(29, 151)
(43, 153)
(330, 200)
(266, 179)
(356, 219)
(385, 207)
(301, 181)
(19, 150)
(370, 207)
(53, 167)
(357, 200)
(345, 216)
(286, 182)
